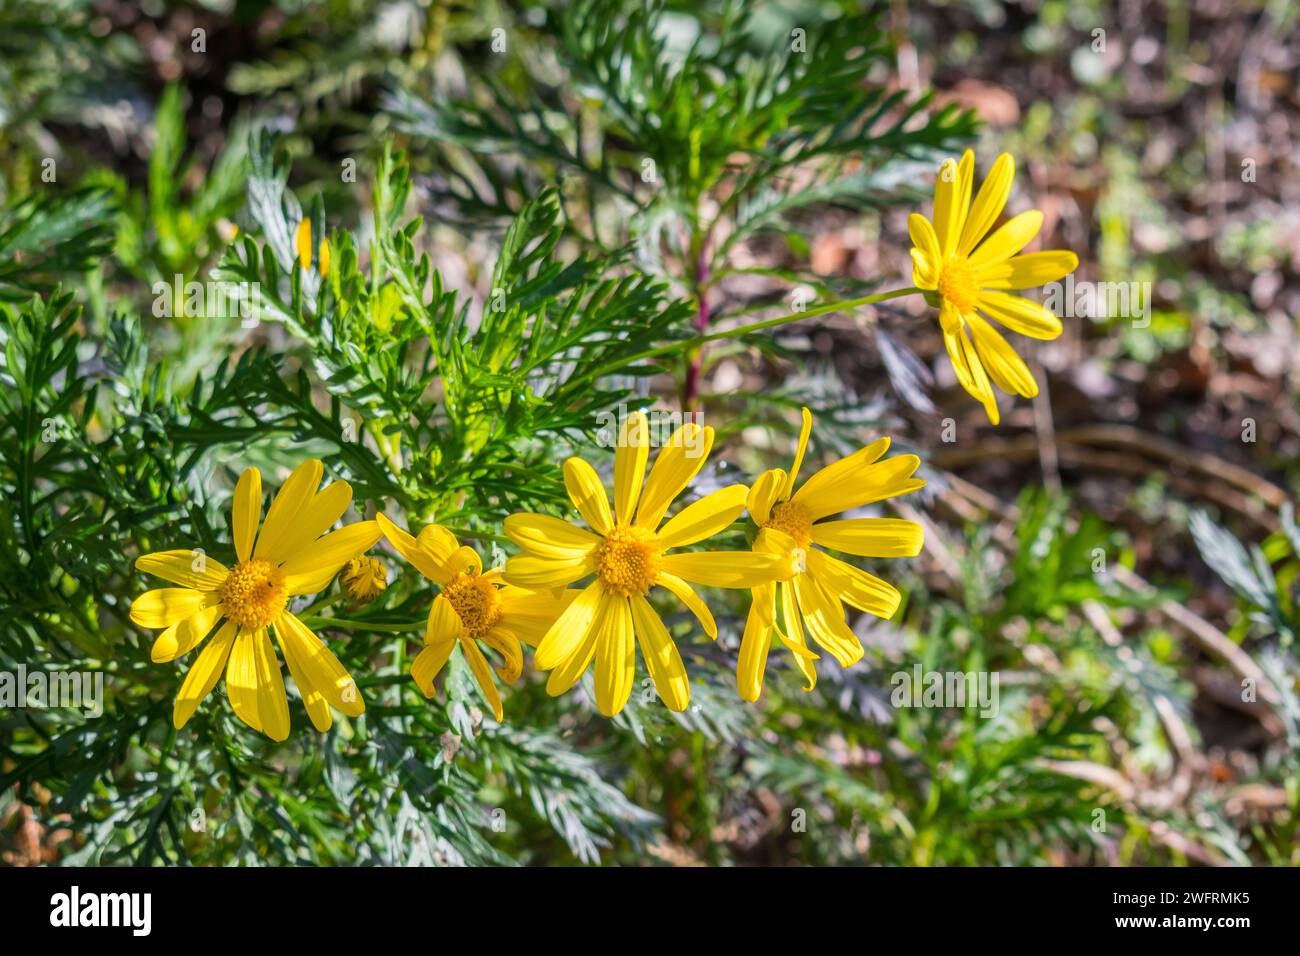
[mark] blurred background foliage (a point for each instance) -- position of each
(532, 207)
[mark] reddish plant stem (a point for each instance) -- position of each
(691, 395)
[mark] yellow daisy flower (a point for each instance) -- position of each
(968, 274)
(472, 607)
(627, 552)
(288, 558)
(364, 578)
(791, 524)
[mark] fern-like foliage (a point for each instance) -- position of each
(451, 407)
(49, 237)
(532, 359)
(701, 132)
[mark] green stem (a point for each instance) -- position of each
(323, 622)
(696, 341)
(321, 604)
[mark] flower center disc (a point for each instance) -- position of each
(627, 560)
(957, 284)
(793, 520)
(475, 602)
(253, 594)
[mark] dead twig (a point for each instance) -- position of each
(1232, 487)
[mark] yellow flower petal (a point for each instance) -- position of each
(805, 431)
(517, 601)
(246, 512)
(793, 635)
(926, 255)
(241, 679)
(527, 571)
(1000, 360)
(178, 567)
(629, 465)
(791, 616)
(428, 664)
(864, 591)
(838, 472)
(871, 537)
(294, 495)
(573, 666)
(923, 236)
(676, 465)
(694, 603)
(776, 542)
(202, 675)
(952, 200)
(704, 518)
(724, 569)
(588, 495)
(823, 615)
(763, 494)
(875, 482)
(318, 563)
(546, 537)
(483, 677)
(1029, 270)
(967, 169)
(316, 516)
(1020, 315)
(530, 614)
(440, 543)
(302, 242)
(925, 272)
(755, 643)
(183, 636)
(319, 665)
(318, 708)
(988, 204)
(966, 363)
(953, 341)
(444, 624)
(422, 559)
(505, 643)
(615, 657)
(163, 607)
(465, 560)
(567, 634)
(272, 703)
(1012, 236)
(662, 659)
